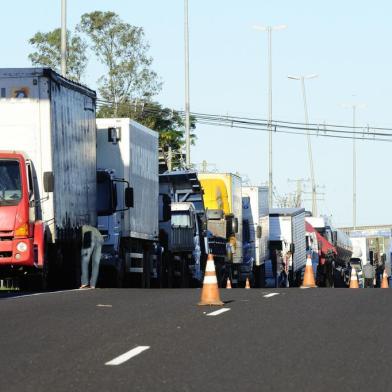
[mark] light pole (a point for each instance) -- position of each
(269, 30)
(314, 191)
(187, 108)
(64, 37)
(354, 108)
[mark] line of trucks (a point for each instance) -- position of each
(62, 168)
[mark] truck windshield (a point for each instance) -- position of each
(180, 220)
(10, 183)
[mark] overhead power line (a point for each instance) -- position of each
(336, 131)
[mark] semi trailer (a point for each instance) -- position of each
(343, 250)
(47, 173)
(50, 186)
(223, 203)
(255, 234)
(128, 189)
(287, 245)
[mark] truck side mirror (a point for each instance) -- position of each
(48, 182)
(129, 197)
(292, 248)
(235, 225)
(334, 237)
(259, 232)
(166, 212)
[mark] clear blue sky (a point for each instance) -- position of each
(346, 43)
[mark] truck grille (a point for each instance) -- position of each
(182, 239)
(5, 255)
(217, 246)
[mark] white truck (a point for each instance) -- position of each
(130, 151)
(255, 232)
(47, 173)
(287, 245)
(49, 151)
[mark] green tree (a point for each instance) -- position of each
(167, 122)
(48, 52)
(123, 51)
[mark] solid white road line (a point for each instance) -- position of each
(44, 293)
(218, 312)
(127, 356)
(270, 295)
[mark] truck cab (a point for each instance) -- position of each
(182, 228)
(21, 232)
(109, 223)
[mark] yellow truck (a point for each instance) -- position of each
(223, 203)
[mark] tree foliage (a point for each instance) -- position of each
(48, 52)
(167, 122)
(128, 76)
(122, 49)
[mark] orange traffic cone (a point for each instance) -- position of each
(384, 283)
(354, 279)
(309, 275)
(247, 283)
(210, 290)
(228, 283)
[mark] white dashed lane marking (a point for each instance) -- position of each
(127, 356)
(218, 312)
(270, 295)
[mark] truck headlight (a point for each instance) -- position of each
(21, 247)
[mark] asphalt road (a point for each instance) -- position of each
(297, 340)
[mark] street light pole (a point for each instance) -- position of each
(64, 37)
(310, 155)
(187, 107)
(354, 107)
(269, 30)
(354, 172)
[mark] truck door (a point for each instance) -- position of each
(30, 184)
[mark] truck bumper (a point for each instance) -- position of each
(10, 255)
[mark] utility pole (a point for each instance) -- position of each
(269, 30)
(187, 107)
(300, 190)
(310, 155)
(64, 38)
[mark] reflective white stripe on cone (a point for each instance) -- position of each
(354, 279)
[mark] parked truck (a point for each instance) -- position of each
(47, 174)
(128, 189)
(50, 186)
(287, 245)
(342, 246)
(182, 229)
(255, 234)
(324, 252)
(223, 202)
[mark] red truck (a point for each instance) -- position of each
(47, 174)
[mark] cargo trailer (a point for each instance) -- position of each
(47, 173)
(255, 233)
(130, 151)
(287, 238)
